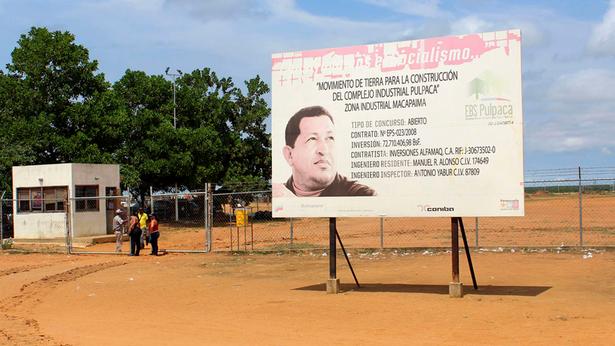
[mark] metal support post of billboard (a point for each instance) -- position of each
(455, 288)
(580, 210)
(467, 249)
(347, 259)
(333, 284)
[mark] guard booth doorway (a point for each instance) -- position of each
(111, 205)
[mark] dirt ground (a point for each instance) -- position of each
(538, 297)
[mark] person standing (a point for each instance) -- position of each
(118, 225)
(142, 216)
(154, 234)
(135, 235)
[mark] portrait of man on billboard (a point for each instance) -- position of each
(310, 152)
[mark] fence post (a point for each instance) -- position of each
(381, 232)
(68, 226)
(476, 230)
(176, 203)
(291, 232)
(151, 200)
(210, 213)
(230, 220)
(2, 218)
(580, 209)
(206, 218)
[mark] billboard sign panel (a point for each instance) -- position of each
(430, 127)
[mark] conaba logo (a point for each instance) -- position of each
(428, 208)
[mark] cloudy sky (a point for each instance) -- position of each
(568, 48)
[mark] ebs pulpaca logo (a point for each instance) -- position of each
(487, 93)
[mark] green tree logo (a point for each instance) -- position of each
(477, 87)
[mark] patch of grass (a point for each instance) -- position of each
(288, 247)
(603, 230)
(7, 244)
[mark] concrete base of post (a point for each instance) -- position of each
(455, 289)
(333, 286)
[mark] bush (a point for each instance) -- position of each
(7, 244)
(262, 215)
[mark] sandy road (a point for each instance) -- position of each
(529, 298)
(25, 284)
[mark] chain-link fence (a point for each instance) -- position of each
(564, 212)
(91, 225)
(557, 213)
(6, 222)
(183, 219)
(38, 224)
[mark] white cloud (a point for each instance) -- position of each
(469, 25)
(532, 33)
(125, 5)
(421, 8)
(579, 114)
(602, 40)
(584, 86)
(221, 10)
(571, 132)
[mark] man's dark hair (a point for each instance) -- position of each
(292, 128)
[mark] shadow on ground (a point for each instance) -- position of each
(523, 291)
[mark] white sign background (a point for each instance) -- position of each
(453, 145)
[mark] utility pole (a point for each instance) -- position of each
(174, 76)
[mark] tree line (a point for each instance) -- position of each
(56, 107)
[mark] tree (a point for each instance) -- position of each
(233, 123)
(220, 135)
(55, 107)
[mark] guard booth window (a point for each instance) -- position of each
(36, 199)
(86, 191)
(54, 198)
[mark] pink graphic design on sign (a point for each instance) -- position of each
(335, 63)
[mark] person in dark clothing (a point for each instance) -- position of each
(134, 231)
(310, 152)
(154, 234)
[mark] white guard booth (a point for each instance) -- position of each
(40, 195)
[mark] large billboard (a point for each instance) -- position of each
(430, 127)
